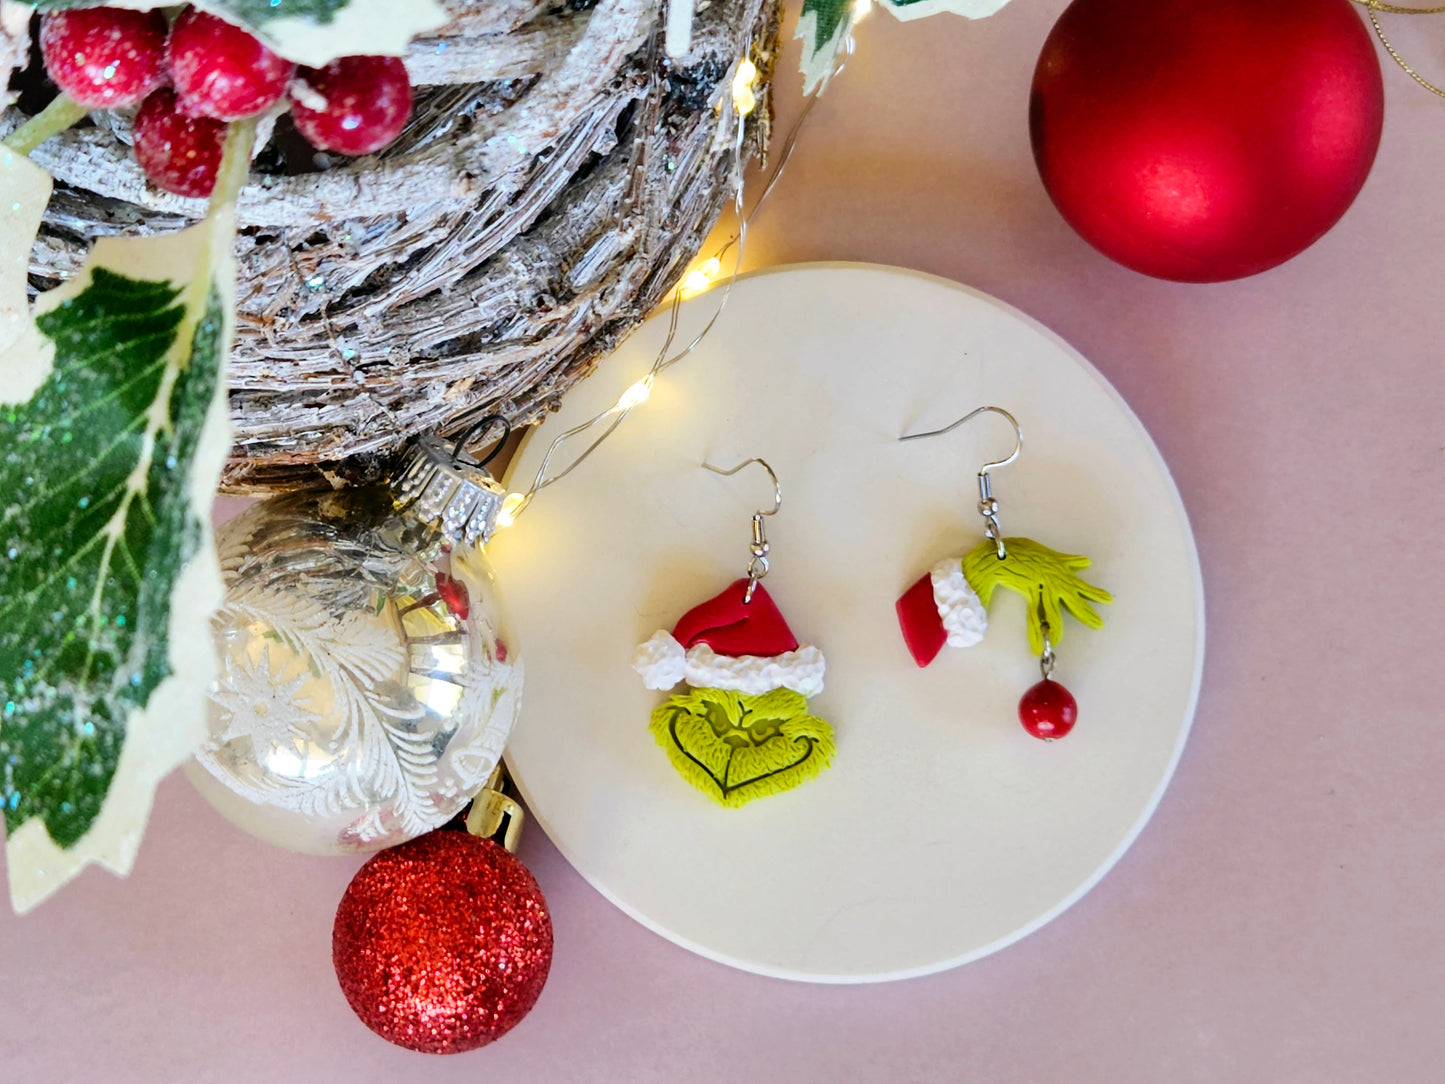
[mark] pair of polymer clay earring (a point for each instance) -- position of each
(743, 729)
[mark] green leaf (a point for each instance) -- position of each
(823, 24)
(919, 9)
(113, 427)
(259, 13)
(1047, 579)
(310, 32)
(735, 747)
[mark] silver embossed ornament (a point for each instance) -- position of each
(369, 674)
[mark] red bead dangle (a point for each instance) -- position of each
(1047, 710)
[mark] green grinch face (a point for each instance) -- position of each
(735, 747)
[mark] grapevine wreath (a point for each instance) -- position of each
(558, 173)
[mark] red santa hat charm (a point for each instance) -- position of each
(941, 608)
(729, 643)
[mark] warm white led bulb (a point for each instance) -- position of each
(511, 505)
(701, 277)
(744, 98)
(636, 394)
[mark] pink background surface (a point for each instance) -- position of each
(1279, 920)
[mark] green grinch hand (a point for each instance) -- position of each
(1047, 579)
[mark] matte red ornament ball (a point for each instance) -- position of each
(1048, 710)
(1204, 140)
(442, 944)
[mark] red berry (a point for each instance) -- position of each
(355, 105)
(1048, 710)
(454, 594)
(178, 153)
(221, 71)
(105, 57)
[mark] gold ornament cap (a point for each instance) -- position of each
(442, 485)
(496, 813)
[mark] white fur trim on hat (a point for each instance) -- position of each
(963, 615)
(662, 663)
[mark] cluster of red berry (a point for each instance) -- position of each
(192, 78)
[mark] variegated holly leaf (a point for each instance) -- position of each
(824, 24)
(113, 431)
(310, 32)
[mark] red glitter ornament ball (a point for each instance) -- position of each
(1203, 140)
(442, 944)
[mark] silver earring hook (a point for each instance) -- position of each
(987, 505)
(759, 547)
(1018, 434)
(777, 489)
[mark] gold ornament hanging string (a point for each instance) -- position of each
(1373, 9)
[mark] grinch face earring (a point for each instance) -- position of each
(743, 730)
(950, 604)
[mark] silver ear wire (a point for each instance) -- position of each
(987, 505)
(759, 548)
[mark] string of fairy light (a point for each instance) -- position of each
(705, 275)
(743, 97)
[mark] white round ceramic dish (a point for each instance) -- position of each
(942, 832)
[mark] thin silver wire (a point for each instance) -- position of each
(664, 361)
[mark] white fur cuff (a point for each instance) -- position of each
(964, 618)
(662, 663)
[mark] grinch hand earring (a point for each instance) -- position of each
(950, 604)
(743, 730)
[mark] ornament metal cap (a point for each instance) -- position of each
(444, 486)
(495, 811)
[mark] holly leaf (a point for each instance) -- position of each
(310, 32)
(114, 428)
(824, 24)
(918, 9)
(734, 747)
(1048, 580)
